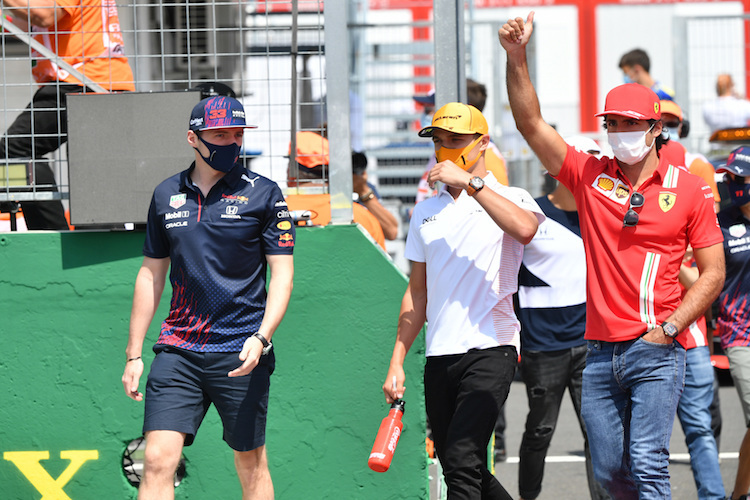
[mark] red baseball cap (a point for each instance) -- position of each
(632, 100)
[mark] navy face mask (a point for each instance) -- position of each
(739, 192)
(221, 158)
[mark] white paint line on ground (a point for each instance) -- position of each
(561, 459)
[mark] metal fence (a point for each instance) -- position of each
(175, 45)
(703, 48)
(272, 54)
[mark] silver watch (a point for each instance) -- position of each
(266, 344)
(475, 185)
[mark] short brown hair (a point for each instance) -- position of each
(476, 94)
(636, 57)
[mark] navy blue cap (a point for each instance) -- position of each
(738, 162)
(218, 112)
(428, 99)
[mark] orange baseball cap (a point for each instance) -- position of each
(671, 108)
(312, 150)
(632, 100)
(458, 118)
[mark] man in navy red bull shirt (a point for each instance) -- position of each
(733, 323)
(220, 227)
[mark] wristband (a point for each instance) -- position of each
(367, 197)
(133, 359)
(266, 344)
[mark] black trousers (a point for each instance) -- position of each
(41, 129)
(463, 395)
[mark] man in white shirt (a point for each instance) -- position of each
(727, 110)
(466, 246)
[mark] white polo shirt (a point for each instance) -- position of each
(472, 270)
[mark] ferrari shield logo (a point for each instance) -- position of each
(667, 201)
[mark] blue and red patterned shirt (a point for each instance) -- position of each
(733, 323)
(217, 246)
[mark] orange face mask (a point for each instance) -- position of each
(459, 156)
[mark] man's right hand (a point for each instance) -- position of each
(131, 378)
(393, 387)
(515, 34)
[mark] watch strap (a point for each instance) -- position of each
(262, 339)
(266, 344)
(471, 190)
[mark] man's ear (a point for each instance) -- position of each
(484, 143)
(658, 127)
(192, 138)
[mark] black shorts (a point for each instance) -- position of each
(182, 385)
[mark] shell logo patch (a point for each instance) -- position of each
(605, 184)
(611, 188)
(667, 201)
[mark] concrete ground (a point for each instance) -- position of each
(565, 475)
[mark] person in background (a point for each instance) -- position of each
(552, 312)
(465, 245)
(312, 161)
(638, 214)
(728, 110)
(733, 322)
(677, 127)
(219, 229)
(427, 103)
(636, 67)
(698, 397)
(694, 410)
(368, 196)
(85, 34)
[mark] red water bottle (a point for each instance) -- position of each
(387, 438)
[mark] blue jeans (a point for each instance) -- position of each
(695, 417)
(547, 375)
(630, 395)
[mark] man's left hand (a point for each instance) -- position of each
(250, 355)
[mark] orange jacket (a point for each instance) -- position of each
(89, 39)
(320, 206)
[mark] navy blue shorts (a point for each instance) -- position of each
(182, 385)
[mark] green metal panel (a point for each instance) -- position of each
(66, 301)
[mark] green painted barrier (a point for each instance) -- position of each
(65, 420)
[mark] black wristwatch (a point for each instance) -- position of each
(475, 185)
(266, 344)
(669, 329)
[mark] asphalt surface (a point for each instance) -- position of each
(565, 475)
